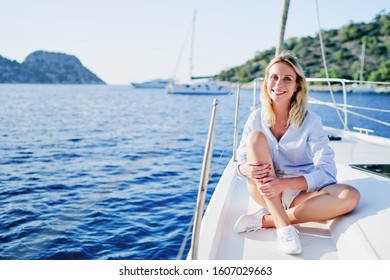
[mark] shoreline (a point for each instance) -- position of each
(350, 88)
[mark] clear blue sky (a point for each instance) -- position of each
(123, 41)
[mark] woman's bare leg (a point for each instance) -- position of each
(329, 202)
(258, 151)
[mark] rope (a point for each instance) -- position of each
(368, 82)
(185, 239)
(367, 108)
(368, 118)
(178, 62)
(320, 102)
(326, 68)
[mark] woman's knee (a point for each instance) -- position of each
(348, 195)
(352, 197)
(256, 137)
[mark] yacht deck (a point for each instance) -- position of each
(361, 234)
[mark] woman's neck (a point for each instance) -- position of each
(281, 111)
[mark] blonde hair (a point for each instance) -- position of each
(299, 103)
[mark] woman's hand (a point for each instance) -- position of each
(270, 187)
(255, 171)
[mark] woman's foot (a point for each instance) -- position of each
(250, 222)
(288, 240)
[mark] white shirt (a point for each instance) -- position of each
(300, 152)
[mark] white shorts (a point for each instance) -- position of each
(288, 197)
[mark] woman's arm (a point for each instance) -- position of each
(323, 157)
(270, 187)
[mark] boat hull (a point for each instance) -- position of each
(198, 89)
(152, 84)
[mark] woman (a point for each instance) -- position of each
(284, 155)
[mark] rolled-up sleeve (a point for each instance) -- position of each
(324, 172)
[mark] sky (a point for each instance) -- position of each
(124, 41)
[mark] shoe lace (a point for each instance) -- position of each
(253, 227)
(289, 234)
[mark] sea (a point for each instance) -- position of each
(103, 172)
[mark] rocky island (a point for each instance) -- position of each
(42, 67)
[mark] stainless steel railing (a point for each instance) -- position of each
(204, 178)
(235, 137)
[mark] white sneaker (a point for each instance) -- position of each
(288, 240)
(250, 222)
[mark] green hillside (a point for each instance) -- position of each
(343, 49)
(42, 67)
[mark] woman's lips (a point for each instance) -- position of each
(278, 92)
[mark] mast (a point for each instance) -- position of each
(285, 5)
(362, 61)
(192, 43)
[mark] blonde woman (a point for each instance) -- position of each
(285, 156)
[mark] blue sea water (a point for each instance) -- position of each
(112, 172)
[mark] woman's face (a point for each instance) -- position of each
(281, 82)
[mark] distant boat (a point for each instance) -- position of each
(157, 83)
(196, 88)
(201, 88)
(360, 87)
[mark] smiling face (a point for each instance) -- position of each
(281, 82)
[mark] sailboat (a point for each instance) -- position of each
(360, 87)
(196, 88)
(361, 160)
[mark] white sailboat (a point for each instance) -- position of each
(196, 88)
(200, 88)
(361, 86)
(362, 161)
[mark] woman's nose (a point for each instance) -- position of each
(279, 82)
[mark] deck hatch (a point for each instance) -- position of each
(378, 169)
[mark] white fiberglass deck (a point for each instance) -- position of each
(361, 234)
